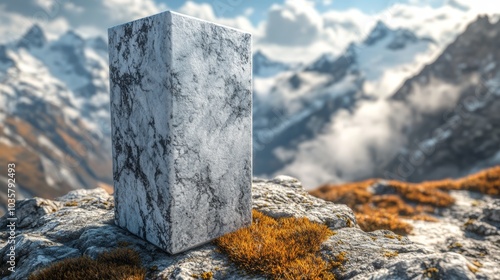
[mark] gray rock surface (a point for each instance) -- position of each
(468, 228)
(181, 129)
(82, 223)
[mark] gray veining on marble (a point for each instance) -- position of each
(181, 108)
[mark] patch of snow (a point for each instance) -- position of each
(51, 172)
(43, 141)
(493, 86)
(7, 131)
(70, 178)
(6, 141)
(386, 69)
(25, 100)
(17, 137)
(49, 181)
(490, 66)
(270, 70)
(62, 69)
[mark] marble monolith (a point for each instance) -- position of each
(181, 114)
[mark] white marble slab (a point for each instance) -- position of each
(181, 113)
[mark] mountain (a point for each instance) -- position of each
(55, 118)
(298, 105)
(55, 115)
(439, 122)
(456, 99)
(264, 67)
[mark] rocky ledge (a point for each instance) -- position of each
(82, 223)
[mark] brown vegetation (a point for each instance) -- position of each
(389, 254)
(404, 200)
(339, 260)
(285, 248)
(207, 275)
(118, 264)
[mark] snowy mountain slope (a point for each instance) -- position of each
(458, 100)
(300, 103)
(55, 120)
(264, 67)
(442, 122)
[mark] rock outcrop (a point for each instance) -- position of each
(470, 227)
(82, 222)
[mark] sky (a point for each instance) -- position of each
(256, 10)
(285, 30)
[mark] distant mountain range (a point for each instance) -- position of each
(264, 67)
(300, 104)
(388, 108)
(55, 114)
(457, 99)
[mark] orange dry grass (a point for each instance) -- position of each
(382, 220)
(285, 248)
(410, 200)
(427, 193)
(119, 264)
(486, 181)
(351, 194)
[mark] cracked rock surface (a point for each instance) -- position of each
(82, 222)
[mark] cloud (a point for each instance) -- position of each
(93, 16)
(14, 26)
(248, 12)
(297, 32)
(356, 144)
(352, 145)
(216, 14)
(295, 23)
(442, 23)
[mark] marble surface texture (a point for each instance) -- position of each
(181, 109)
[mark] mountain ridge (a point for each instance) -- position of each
(55, 122)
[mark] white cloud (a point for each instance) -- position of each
(127, 10)
(213, 13)
(203, 11)
(55, 17)
(248, 12)
(443, 23)
(355, 144)
(352, 145)
(295, 23)
(14, 25)
(297, 32)
(72, 7)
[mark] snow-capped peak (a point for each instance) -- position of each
(259, 56)
(97, 43)
(322, 63)
(70, 38)
(393, 39)
(265, 67)
(34, 38)
(379, 32)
